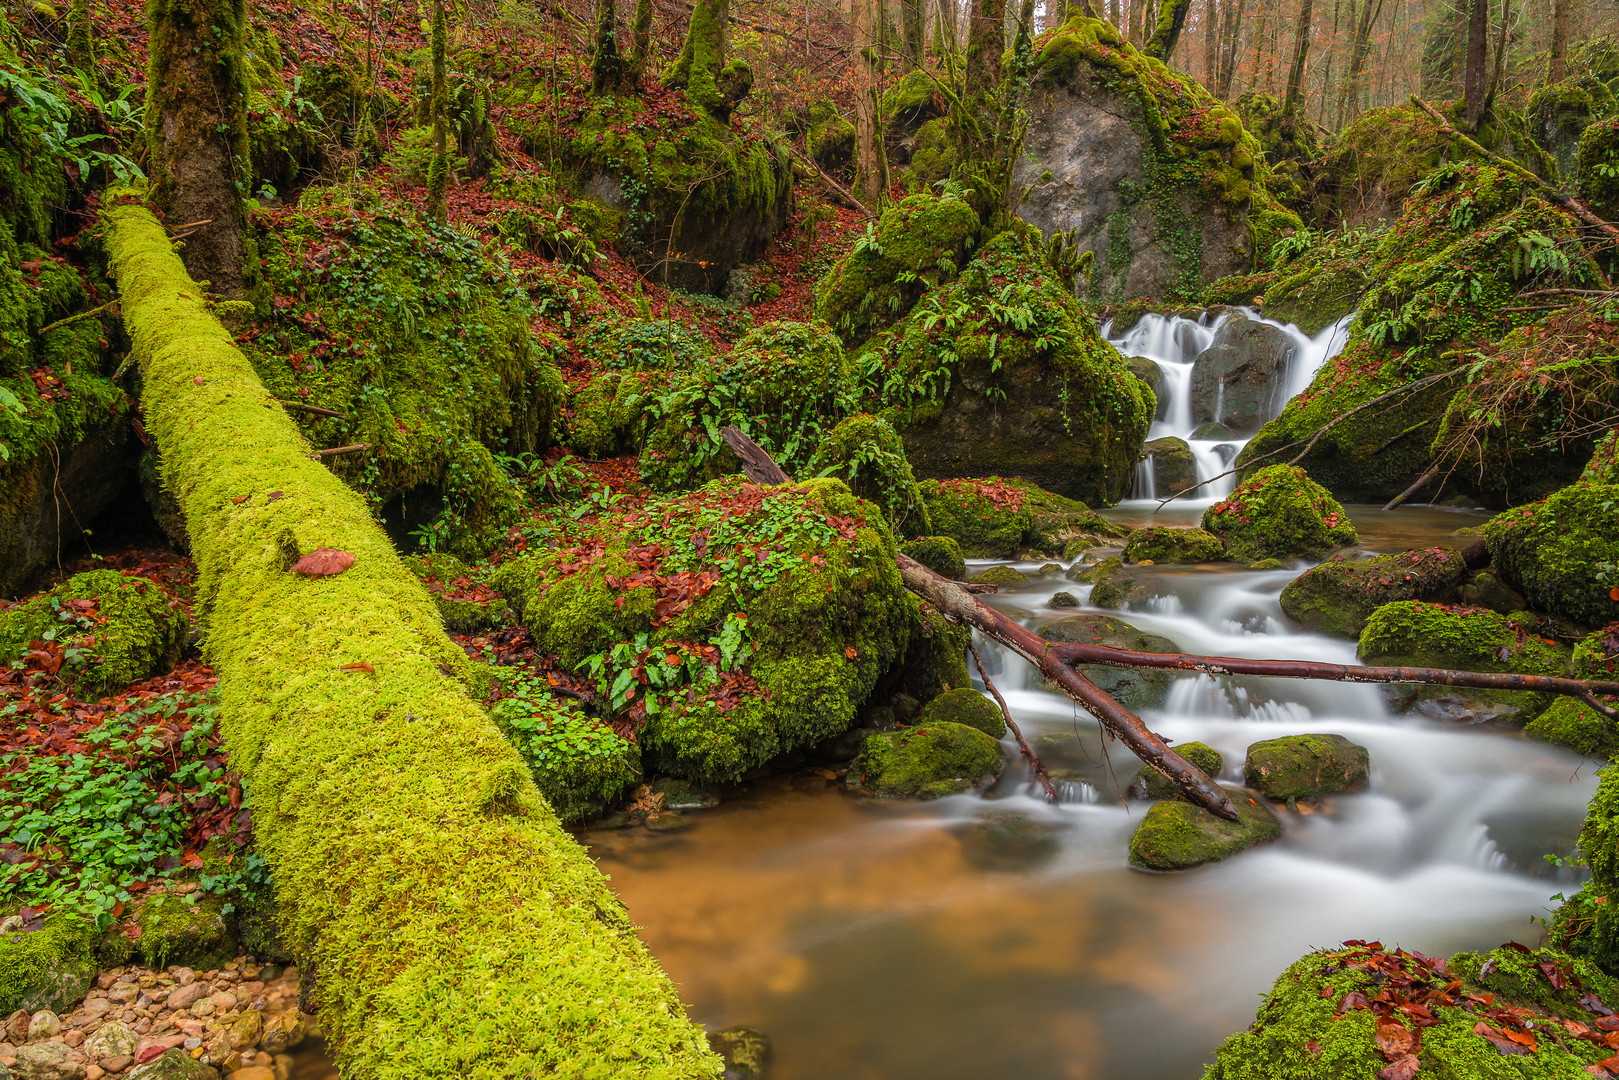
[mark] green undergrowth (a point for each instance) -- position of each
(728, 626)
(580, 764)
(457, 929)
(420, 338)
(866, 454)
(109, 629)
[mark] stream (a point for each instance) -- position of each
(991, 935)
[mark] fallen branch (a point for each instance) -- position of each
(1421, 482)
(842, 192)
(336, 450)
(316, 409)
(59, 323)
(1040, 773)
(756, 461)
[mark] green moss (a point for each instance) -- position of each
(581, 765)
(1149, 783)
(51, 968)
(985, 522)
(934, 156)
(936, 657)
(1305, 766)
(1176, 835)
(928, 761)
(866, 453)
(419, 870)
(1597, 168)
(116, 629)
(1112, 586)
(1277, 512)
(1603, 468)
(615, 412)
(1336, 597)
(829, 136)
(1169, 544)
(176, 930)
(1573, 724)
(941, 554)
(1006, 577)
(1562, 553)
(967, 706)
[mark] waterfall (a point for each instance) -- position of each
(1174, 343)
(1146, 485)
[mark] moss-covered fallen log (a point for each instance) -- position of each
(455, 929)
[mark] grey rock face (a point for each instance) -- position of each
(1239, 380)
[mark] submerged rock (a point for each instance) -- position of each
(1277, 512)
(1135, 688)
(1239, 380)
(746, 1051)
(1008, 840)
(1305, 766)
(965, 706)
(1151, 784)
(1173, 544)
(1178, 836)
(1113, 586)
(928, 761)
(1337, 596)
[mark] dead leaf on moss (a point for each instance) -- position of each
(323, 562)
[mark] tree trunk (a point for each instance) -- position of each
(1138, 22)
(986, 41)
(1557, 62)
(1358, 53)
(1211, 44)
(702, 57)
(1332, 55)
(911, 22)
(438, 173)
(1261, 35)
(1165, 35)
(81, 44)
(1230, 40)
(1116, 15)
(1478, 43)
(642, 42)
(606, 66)
(196, 132)
(868, 163)
(1503, 38)
(1295, 75)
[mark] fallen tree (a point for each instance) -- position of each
(454, 928)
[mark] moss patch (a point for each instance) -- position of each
(941, 554)
(1151, 784)
(964, 705)
(1168, 544)
(1305, 766)
(1278, 512)
(1176, 835)
(928, 761)
(114, 630)
(1337, 596)
(1563, 552)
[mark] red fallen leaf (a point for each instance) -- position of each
(192, 860)
(1554, 975)
(1394, 1039)
(1610, 1064)
(197, 379)
(323, 562)
(359, 665)
(1503, 1045)
(273, 496)
(849, 651)
(1516, 946)
(151, 1053)
(1402, 1068)
(240, 499)
(1353, 1000)
(1313, 1047)
(1613, 593)
(133, 931)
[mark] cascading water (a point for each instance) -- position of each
(1174, 343)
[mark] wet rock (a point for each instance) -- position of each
(1147, 370)
(686, 794)
(965, 706)
(1009, 840)
(1112, 586)
(1305, 766)
(746, 1051)
(927, 761)
(174, 931)
(1276, 513)
(1176, 835)
(1174, 469)
(841, 748)
(282, 1032)
(1560, 552)
(1006, 577)
(1172, 544)
(1151, 784)
(174, 1064)
(1134, 688)
(941, 554)
(47, 1061)
(1338, 596)
(1209, 431)
(110, 1040)
(1486, 590)
(46, 969)
(1239, 379)
(1063, 600)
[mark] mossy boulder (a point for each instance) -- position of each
(866, 453)
(1172, 544)
(173, 1064)
(580, 764)
(1278, 512)
(1558, 115)
(1337, 596)
(1151, 784)
(1112, 586)
(1152, 173)
(773, 653)
(1563, 552)
(462, 604)
(941, 554)
(50, 968)
(1174, 468)
(1005, 577)
(1176, 835)
(1134, 688)
(192, 931)
(1573, 723)
(936, 658)
(1313, 1025)
(116, 629)
(927, 761)
(1305, 766)
(1237, 380)
(829, 135)
(1597, 167)
(994, 518)
(964, 705)
(1410, 633)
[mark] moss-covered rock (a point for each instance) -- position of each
(1337, 596)
(1173, 544)
(174, 1064)
(829, 135)
(796, 635)
(1597, 167)
(1305, 766)
(866, 453)
(1317, 1023)
(941, 554)
(50, 968)
(1603, 468)
(1563, 552)
(1005, 577)
(464, 606)
(987, 519)
(114, 629)
(1277, 512)
(191, 931)
(581, 765)
(1134, 688)
(964, 705)
(1151, 784)
(936, 657)
(1410, 633)
(1573, 723)
(1176, 835)
(1174, 468)
(1112, 586)
(928, 761)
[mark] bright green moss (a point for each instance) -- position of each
(51, 968)
(936, 658)
(1603, 468)
(1168, 544)
(615, 412)
(1149, 783)
(1571, 723)
(1597, 167)
(195, 935)
(1005, 577)
(115, 629)
(1277, 512)
(934, 156)
(1305, 766)
(1336, 597)
(581, 765)
(1562, 553)
(1410, 633)
(829, 136)
(458, 931)
(941, 554)
(967, 706)
(928, 761)
(1176, 835)
(866, 453)
(984, 521)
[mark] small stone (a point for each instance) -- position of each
(47, 1061)
(183, 975)
(105, 980)
(1063, 600)
(282, 1031)
(98, 1006)
(188, 994)
(224, 1000)
(245, 1032)
(111, 1040)
(17, 1027)
(123, 993)
(668, 821)
(72, 1038)
(44, 1024)
(94, 1072)
(118, 1064)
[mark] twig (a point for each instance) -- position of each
(1422, 481)
(316, 409)
(59, 323)
(334, 451)
(1040, 773)
(842, 192)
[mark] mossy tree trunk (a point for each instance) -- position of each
(911, 22)
(702, 57)
(457, 929)
(438, 171)
(641, 47)
(196, 130)
(1211, 45)
(1478, 43)
(1230, 35)
(1293, 99)
(986, 41)
(81, 43)
(1165, 35)
(606, 65)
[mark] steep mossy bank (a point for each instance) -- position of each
(420, 885)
